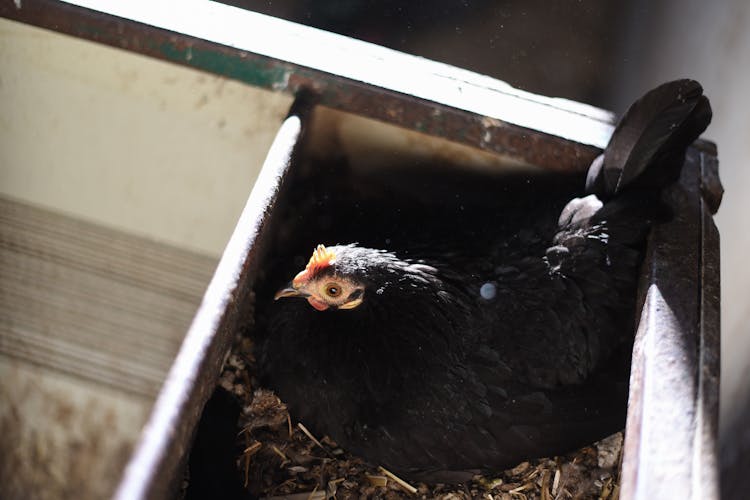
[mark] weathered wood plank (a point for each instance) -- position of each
(93, 302)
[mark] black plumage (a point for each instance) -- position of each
(445, 357)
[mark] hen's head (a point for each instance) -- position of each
(343, 276)
(331, 280)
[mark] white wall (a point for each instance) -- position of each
(135, 143)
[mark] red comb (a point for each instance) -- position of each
(321, 258)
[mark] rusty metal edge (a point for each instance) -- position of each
(347, 74)
(164, 443)
(706, 482)
(671, 452)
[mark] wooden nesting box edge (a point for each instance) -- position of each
(672, 424)
(164, 443)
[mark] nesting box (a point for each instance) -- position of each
(672, 416)
(375, 109)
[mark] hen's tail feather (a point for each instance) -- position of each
(645, 154)
(648, 146)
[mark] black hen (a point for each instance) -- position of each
(437, 364)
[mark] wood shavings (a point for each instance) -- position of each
(253, 448)
(545, 493)
(280, 453)
(312, 438)
(411, 489)
(313, 492)
(556, 481)
(380, 481)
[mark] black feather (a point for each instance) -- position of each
(657, 128)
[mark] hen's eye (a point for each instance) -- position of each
(333, 290)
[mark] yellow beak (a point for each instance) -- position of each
(351, 304)
(289, 291)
